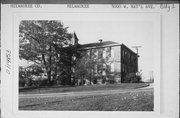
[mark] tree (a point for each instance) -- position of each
(84, 66)
(67, 63)
(42, 43)
(88, 62)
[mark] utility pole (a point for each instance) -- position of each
(150, 77)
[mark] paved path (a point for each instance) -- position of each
(85, 93)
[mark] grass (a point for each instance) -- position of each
(130, 101)
(60, 89)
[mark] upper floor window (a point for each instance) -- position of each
(94, 53)
(112, 52)
(100, 53)
(104, 53)
(123, 53)
(88, 52)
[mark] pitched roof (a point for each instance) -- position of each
(97, 44)
(75, 36)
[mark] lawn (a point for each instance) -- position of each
(129, 101)
(60, 89)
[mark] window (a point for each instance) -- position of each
(122, 54)
(100, 53)
(88, 52)
(123, 67)
(104, 72)
(104, 66)
(95, 69)
(112, 52)
(112, 67)
(94, 53)
(104, 53)
(108, 67)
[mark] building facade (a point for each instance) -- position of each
(112, 61)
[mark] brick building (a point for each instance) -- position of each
(114, 60)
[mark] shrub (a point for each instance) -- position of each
(103, 79)
(132, 78)
(111, 81)
(21, 82)
(43, 82)
(95, 79)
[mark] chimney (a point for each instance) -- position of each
(100, 40)
(74, 39)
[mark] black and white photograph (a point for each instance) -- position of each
(108, 59)
(88, 65)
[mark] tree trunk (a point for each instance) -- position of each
(49, 70)
(56, 69)
(49, 78)
(70, 69)
(90, 76)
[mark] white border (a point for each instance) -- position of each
(13, 95)
(153, 17)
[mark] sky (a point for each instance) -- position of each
(131, 33)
